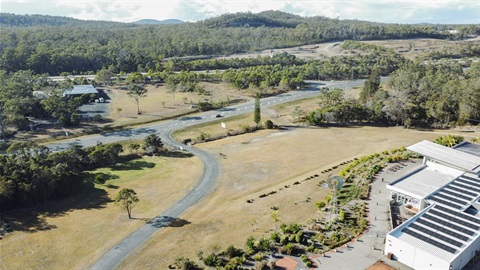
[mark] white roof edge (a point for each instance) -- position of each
(447, 155)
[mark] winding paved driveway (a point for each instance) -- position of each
(206, 183)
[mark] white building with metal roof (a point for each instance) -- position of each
(444, 234)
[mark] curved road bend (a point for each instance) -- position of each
(136, 239)
(206, 182)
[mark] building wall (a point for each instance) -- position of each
(413, 257)
(462, 259)
(425, 260)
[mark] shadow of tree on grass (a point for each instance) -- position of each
(34, 219)
(133, 165)
(175, 154)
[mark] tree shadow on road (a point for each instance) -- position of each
(166, 221)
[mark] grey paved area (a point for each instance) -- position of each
(368, 248)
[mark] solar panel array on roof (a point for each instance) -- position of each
(470, 148)
(462, 191)
(459, 221)
(476, 180)
(457, 195)
(458, 214)
(448, 223)
(451, 199)
(429, 240)
(469, 181)
(457, 183)
(442, 229)
(436, 235)
(447, 203)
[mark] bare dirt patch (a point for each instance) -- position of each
(73, 233)
(258, 165)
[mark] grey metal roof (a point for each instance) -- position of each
(82, 89)
(450, 156)
(425, 181)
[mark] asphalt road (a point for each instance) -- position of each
(206, 183)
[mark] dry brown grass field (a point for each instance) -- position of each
(73, 233)
(259, 163)
(159, 102)
(252, 164)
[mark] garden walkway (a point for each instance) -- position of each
(368, 248)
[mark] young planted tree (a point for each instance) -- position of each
(256, 113)
(126, 198)
(136, 93)
(275, 218)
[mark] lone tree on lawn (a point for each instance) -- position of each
(171, 83)
(153, 144)
(126, 198)
(256, 113)
(137, 92)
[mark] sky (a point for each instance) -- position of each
(388, 11)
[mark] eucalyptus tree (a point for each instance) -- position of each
(126, 199)
(137, 92)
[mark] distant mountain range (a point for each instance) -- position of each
(8, 19)
(151, 21)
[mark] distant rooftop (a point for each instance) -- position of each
(81, 90)
(452, 156)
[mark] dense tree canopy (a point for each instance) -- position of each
(31, 174)
(46, 46)
(417, 94)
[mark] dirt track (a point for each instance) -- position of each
(406, 47)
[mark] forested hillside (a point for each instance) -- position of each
(53, 45)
